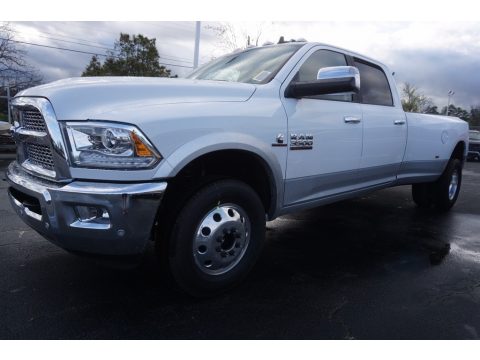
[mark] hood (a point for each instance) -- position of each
(90, 97)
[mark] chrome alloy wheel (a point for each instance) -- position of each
(452, 188)
(221, 239)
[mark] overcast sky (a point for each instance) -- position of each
(434, 56)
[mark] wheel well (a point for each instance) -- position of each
(459, 151)
(238, 164)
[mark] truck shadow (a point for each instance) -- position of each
(358, 235)
(318, 254)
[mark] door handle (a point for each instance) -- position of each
(399, 122)
(352, 119)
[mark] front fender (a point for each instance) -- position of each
(202, 145)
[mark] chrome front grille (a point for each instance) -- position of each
(39, 155)
(38, 135)
(33, 120)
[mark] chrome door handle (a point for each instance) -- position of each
(352, 119)
(399, 122)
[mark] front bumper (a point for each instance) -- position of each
(473, 154)
(50, 209)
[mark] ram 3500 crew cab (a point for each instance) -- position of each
(200, 164)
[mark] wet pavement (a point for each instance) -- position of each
(370, 268)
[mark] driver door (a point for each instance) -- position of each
(332, 124)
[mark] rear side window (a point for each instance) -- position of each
(374, 85)
(318, 60)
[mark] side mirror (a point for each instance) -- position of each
(330, 80)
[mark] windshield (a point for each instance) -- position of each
(475, 135)
(254, 66)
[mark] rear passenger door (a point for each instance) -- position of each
(384, 126)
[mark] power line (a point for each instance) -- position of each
(74, 38)
(75, 42)
(83, 42)
(168, 58)
(54, 47)
(82, 52)
(177, 57)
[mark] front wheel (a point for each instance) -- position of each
(217, 238)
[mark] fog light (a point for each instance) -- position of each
(92, 214)
(91, 217)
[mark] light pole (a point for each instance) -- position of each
(450, 94)
(197, 44)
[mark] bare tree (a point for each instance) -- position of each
(236, 36)
(14, 70)
(413, 100)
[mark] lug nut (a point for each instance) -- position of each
(224, 254)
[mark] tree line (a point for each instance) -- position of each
(133, 55)
(413, 100)
(137, 55)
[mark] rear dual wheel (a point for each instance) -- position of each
(443, 193)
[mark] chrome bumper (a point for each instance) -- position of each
(50, 209)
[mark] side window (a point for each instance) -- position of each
(374, 85)
(320, 59)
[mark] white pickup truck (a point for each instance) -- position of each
(200, 164)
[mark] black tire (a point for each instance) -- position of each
(443, 198)
(422, 195)
(184, 264)
(437, 193)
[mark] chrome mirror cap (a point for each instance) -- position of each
(340, 72)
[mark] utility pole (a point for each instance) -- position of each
(7, 87)
(9, 117)
(450, 94)
(197, 44)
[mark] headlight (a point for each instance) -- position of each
(107, 145)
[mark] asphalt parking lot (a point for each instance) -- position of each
(371, 268)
